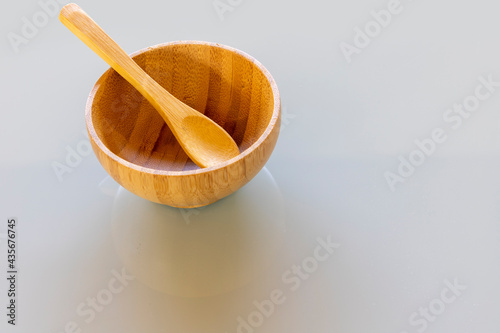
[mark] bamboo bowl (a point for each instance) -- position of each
(135, 146)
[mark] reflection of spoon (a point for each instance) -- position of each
(205, 142)
(204, 251)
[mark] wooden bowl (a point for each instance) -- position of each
(135, 146)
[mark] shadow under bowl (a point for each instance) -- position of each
(136, 147)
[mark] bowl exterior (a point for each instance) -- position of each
(190, 190)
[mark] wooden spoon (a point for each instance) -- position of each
(204, 141)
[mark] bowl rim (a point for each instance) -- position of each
(142, 169)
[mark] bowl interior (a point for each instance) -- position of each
(226, 86)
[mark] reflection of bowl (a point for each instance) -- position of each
(205, 251)
(138, 150)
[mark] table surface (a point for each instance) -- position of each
(377, 212)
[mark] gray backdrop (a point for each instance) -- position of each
(378, 211)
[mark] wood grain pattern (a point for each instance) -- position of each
(204, 141)
(140, 152)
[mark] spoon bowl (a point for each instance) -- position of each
(137, 148)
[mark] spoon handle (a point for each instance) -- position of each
(82, 25)
(204, 141)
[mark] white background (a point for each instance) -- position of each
(345, 124)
